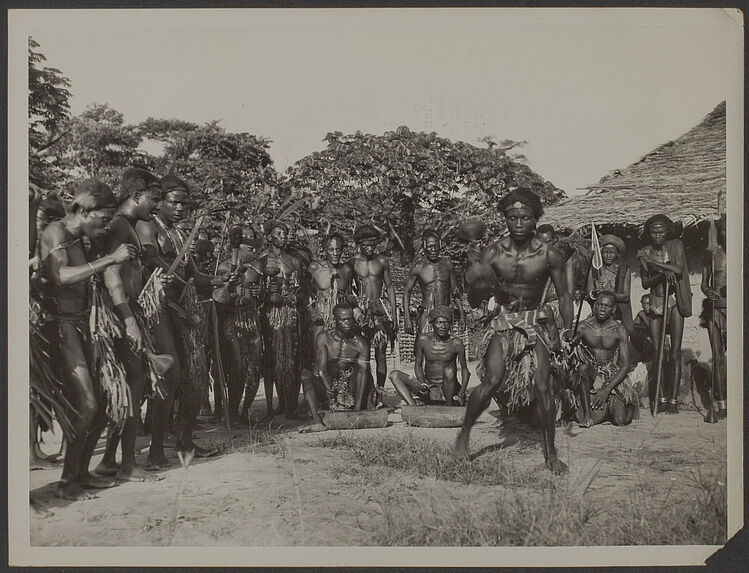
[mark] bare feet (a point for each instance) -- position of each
(37, 463)
(557, 466)
(587, 421)
(460, 450)
(313, 428)
(96, 482)
(72, 492)
(198, 451)
(157, 462)
(107, 468)
(39, 508)
(133, 473)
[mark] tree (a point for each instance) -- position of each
(231, 171)
(49, 110)
(101, 145)
(404, 181)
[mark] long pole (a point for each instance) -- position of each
(661, 348)
(710, 416)
(220, 368)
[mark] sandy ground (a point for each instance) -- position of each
(288, 492)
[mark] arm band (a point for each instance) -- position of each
(93, 270)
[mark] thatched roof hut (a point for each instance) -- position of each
(684, 178)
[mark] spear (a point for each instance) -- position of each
(712, 241)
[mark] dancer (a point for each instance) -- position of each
(69, 271)
(516, 346)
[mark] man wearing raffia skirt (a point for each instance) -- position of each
(331, 284)
(435, 276)
(80, 332)
(515, 350)
(341, 366)
(240, 333)
(603, 365)
(178, 323)
(280, 319)
(713, 315)
(140, 192)
(376, 309)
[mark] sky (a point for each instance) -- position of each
(589, 90)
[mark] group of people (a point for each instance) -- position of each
(129, 305)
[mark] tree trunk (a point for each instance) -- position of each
(406, 228)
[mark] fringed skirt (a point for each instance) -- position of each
(240, 323)
(375, 318)
(194, 330)
(281, 338)
(518, 334)
(46, 388)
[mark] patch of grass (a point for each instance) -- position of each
(532, 508)
(260, 439)
(556, 516)
(430, 458)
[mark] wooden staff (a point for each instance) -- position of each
(661, 348)
(711, 416)
(220, 367)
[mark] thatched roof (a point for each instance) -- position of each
(683, 178)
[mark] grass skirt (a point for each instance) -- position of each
(281, 338)
(240, 323)
(194, 331)
(375, 317)
(717, 316)
(518, 332)
(46, 389)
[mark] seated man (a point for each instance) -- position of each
(641, 336)
(436, 377)
(604, 354)
(342, 361)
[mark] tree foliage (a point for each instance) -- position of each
(404, 181)
(100, 144)
(49, 111)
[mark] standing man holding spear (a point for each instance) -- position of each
(663, 270)
(713, 316)
(166, 251)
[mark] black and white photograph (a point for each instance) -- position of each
(338, 287)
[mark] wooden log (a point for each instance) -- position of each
(433, 416)
(356, 420)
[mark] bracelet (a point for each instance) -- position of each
(93, 270)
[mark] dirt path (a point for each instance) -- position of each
(281, 489)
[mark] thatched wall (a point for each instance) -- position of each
(684, 178)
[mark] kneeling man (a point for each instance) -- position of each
(604, 384)
(342, 362)
(437, 353)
